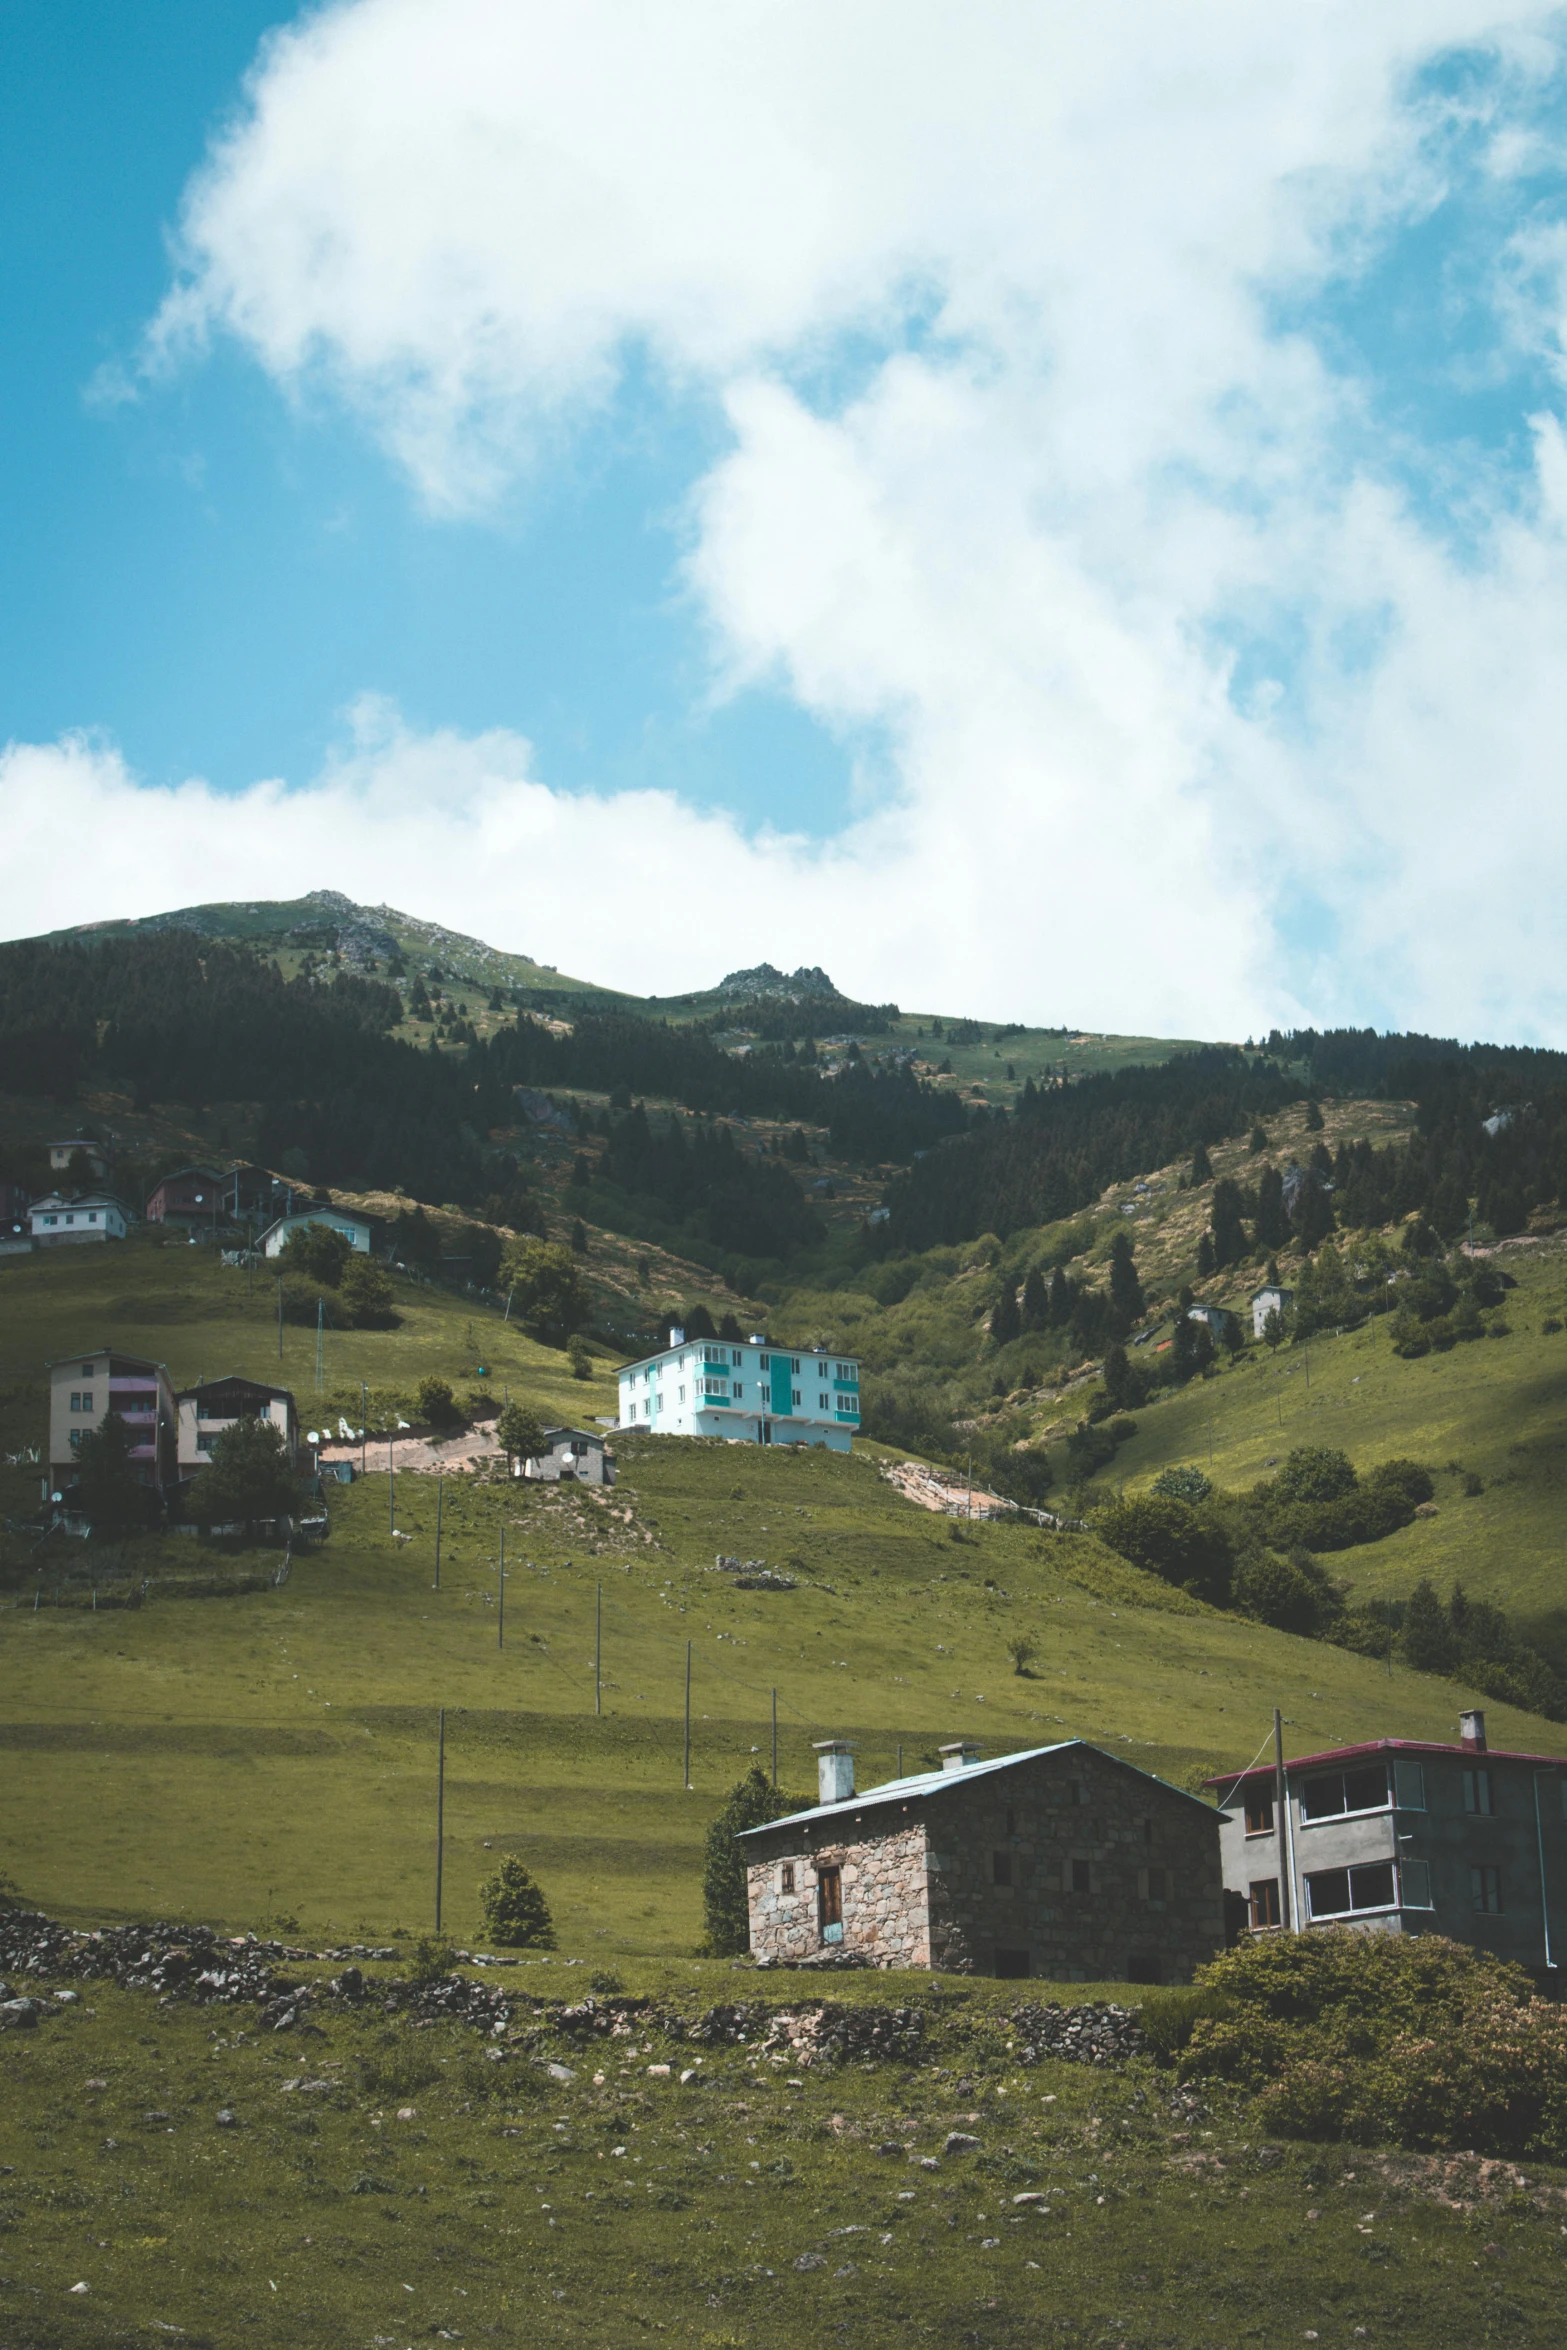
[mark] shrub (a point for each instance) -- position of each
(548, 1285)
(1292, 1594)
(515, 1910)
(1183, 1484)
(519, 1432)
(1170, 1539)
(436, 1403)
(1410, 1481)
(433, 1957)
(367, 1295)
(318, 1252)
(578, 1357)
(248, 1478)
(310, 1302)
(1367, 2037)
(1312, 1473)
(1022, 1648)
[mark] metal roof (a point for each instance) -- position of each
(923, 1783)
(1395, 1746)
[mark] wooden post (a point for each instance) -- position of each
(440, 1808)
(688, 1718)
(598, 1647)
(440, 1495)
(391, 1480)
(500, 1627)
(364, 1414)
(775, 1741)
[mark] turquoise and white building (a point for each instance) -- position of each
(753, 1393)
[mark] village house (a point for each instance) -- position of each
(1405, 1836)
(570, 1455)
(207, 1409)
(1216, 1320)
(96, 1215)
(192, 1197)
(1270, 1299)
(85, 1388)
(84, 1146)
(1063, 1861)
(758, 1393)
(356, 1230)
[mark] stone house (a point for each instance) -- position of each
(1063, 1861)
(1405, 1836)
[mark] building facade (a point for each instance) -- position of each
(1063, 1861)
(85, 1388)
(204, 1412)
(1403, 1836)
(58, 1222)
(355, 1229)
(80, 1146)
(572, 1456)
(753, 1392)
(192, 1196)
(1270, 1299)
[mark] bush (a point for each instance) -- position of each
(578, 1357)
(1183, 1484)
(515, 1910)
(249, 1477)
(519, 1432)
(317, 1252)
(1409, 1480)
(1292, 1594)
(1170, 1539)
(1367, 2037)
(310, 1302)
(436, 1404)
(1313, 1474)
(367, 1295)
(548, 1286)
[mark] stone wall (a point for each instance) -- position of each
(885, 1903)
(1113, 1876)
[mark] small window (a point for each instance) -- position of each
(786, 1877)
(1263, 1903)
(1259, 1812)
(1001, 1868)
(88, 1370)
(1158, 1884)
(766, 1362)
(1477, 1794)
(1081, 1877)
(1077, 1791)
(1414, 1878)
(795, 1397)
(1409, 1786)
(735, 1357)
(1332, 1793)
(1485, 1890)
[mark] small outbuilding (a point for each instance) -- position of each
(570, 1456)
(1270, 1299)
(1063, 1861)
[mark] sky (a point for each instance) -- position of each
(1054, 514)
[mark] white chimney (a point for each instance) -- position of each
(1471, 1730)
(834, 1769)
(677, 1336)
(959, 1754)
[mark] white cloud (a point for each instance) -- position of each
(1019, 460)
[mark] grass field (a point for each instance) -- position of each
(387, 2184)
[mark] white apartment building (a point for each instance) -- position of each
(752, 1392)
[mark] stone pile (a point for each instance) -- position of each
(1079, 2035)
(848, 2035)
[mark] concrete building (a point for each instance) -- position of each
(192, 1197)
(62, 1153)
(1403, 1836)
(570, 1455)
(356, 1230)
(1063, 1861)
(85, 1388)
(206, 1410)
(756, 1393)
(1270, 1299)
(57, 1221)
(1215, 1319)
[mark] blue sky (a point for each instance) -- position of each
(985, 500)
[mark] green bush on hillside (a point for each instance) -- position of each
(516, 1913)
(317, 1252)
(1171, 1539)
(437, 1405)
(1367, 2037)
(367, 1295)
(249, 1478)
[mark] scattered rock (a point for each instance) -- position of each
(811, 2260)
(959, 2142)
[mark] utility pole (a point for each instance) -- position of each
(1281, 1822)
(598, 1647)
(775, 1736)
(280, 1317)
(440, 1493)
(688, 1718)
(971, 1484)
(364, 1414)
(320, 1344)
(500, 1627)
(440, 1808)
(391, 1479)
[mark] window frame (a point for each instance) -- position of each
(1257, 1805)
(1345, 1810)
(1263, 1894)
(1479, 1792)
(1353, 1907)
(1485, 1879)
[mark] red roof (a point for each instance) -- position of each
(1375, 1746)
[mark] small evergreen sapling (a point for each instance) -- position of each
(516, 1913)
(752, 1800)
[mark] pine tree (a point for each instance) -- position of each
(1313, 1215)
(1205, 1258)
(1126, 1291)
(107, 1489)
(1313, 1118)
(1427, 1639)
(1202, 1166)
(1272, 1226)
(752, 1801)
(1006, 1323)
(516, 1913)
(1229, 1233)
(1036, 1300)
(1063, 1296)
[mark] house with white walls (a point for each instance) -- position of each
(752, 1392)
